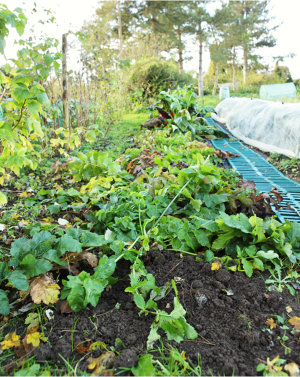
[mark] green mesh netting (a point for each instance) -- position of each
(277, 91)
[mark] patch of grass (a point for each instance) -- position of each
(120, 135)
(165, 361)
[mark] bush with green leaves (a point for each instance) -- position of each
(153, 75)
(24, 97)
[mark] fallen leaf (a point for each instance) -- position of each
(271, 366)
(271, 323)
(65, 307)
(98, 346)
(35, 338)
(75, 257)
(23, 194)
(216, 265)
(82, 347)
(11, 340)
(44, 290)
(90, 258)
(288, 309)
(295, 321)
(292, 368)
(46, 221)
(101, 363)
(15, 216)
(32, 320)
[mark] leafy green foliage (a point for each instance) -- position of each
(14, 19)
(84, 288)
(38, 255)
(93, 164)
(25, 97)
(174, 324)
(186, 113)
(152, 75)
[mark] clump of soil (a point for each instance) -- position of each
(227, 309)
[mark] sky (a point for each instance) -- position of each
(71, 14)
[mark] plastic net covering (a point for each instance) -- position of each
(277, 91)
(269, 126)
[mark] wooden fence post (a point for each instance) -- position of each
(65, 95)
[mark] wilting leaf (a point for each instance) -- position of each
(216, 265)
(292, 368)
(271, 323)
(82, 347)
(3, 199)
(11, 340)
(35, 338)
(98, 346)
(44, 290)
(295, 321)
(100, 363)
(90, 258)
(32, 320)
(65, 307)
(273, 366)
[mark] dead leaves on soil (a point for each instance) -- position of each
(292, 369)
(138, 165)
(271, 323)
(295, 321)
(101, 363)
(44, 289)
(11, 341)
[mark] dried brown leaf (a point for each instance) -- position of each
(101, 363)
(44, 289)
(292, 369)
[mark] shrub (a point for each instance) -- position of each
(153, 75)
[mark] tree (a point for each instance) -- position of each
(218, 55)
(225, 30)
(198, 22)
(176, 26)
(252, 26)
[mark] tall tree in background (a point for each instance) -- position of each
(252, 23)
(226, 34)
(176, 21)
(218, 56)
(198, 21)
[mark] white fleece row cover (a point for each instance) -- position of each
(269, 126)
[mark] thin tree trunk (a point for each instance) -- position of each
(216, 79)
(65, 95)
(245, 66)
(233, 72)
(200, 72)
(180, 54)
(120, 30)
(80, 101)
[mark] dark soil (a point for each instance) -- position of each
(230, 337)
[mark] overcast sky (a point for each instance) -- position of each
(71, 14)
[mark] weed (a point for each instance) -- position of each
(246, 321)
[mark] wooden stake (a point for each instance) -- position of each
(65, 95)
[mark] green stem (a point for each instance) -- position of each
(164, 212)
(182, 251)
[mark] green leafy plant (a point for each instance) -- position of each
(174, 323)
(84, 289)
(93, 164)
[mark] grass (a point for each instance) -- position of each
(121, 133)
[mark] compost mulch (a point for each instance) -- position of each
(229, 321)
